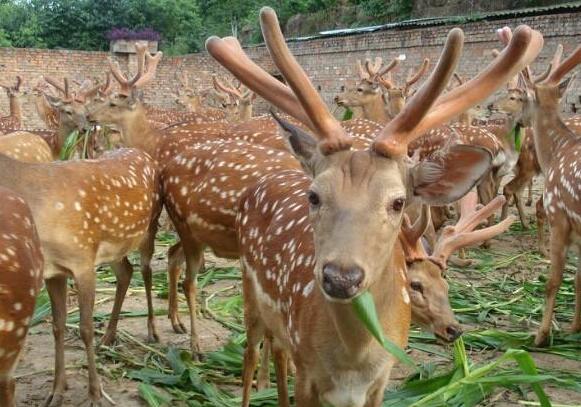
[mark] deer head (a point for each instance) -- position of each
(71, 105)
(124, 106)
(357, 197)
(425, 274)
(238, 101)
(396, 96)
(14, 91)
(185, 95)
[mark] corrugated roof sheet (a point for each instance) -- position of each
(433, 21)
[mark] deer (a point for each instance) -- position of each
(427, 288)
(15, 93)
(47, 113)
(240, 107)
(346, 262)
(21, 264)
(558, 149)
(25, 146)
(108, 204)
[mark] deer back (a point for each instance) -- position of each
(27, 147)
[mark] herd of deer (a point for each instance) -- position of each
(318, 211)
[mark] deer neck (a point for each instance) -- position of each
(15, 108)
(245, 112)
(137, 132)
(375, 110)
(548, 128)
(392, 307)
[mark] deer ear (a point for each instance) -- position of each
(54, 101)
(564, 85)
(301, 144)
(444, 178)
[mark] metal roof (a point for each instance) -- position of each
(433, 21)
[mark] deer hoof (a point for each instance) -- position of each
(107, 339)
(54, 400)
(542, 339)
(152, 337)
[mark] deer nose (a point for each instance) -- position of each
(342, 282)
(453, 332)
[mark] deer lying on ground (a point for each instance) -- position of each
(15, 93)
(306, 312)
(21, 265)
(558, 149)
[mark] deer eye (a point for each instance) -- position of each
(398, 204)
(417, 286)
(512, 98)
(313, 198)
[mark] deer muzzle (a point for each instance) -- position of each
(342, 282)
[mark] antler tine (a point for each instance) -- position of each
(230, 55)
(54, 84)
(150, 69)
(373, 69)
(411, 80)
(183, 79)
(362, 73)
(18, 83)
(332, 136)
(229, 90)
(523, 48)
(410, 235)
(390, 67)
(107, 87)
(393, 139)
(564, 68)
(118, 75)
(140, 50)
(463, 234)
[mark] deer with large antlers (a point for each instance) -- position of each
(15, 93)
(239, 108)
(558, 149)
(21, 265)
(192, 101)
(300, 276)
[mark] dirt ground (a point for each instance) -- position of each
(34, 373)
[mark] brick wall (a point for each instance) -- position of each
(328, 61)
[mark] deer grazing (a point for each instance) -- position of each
(15, 93)
(21, 264)
(428, 290)
(306, 309)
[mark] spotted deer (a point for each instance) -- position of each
(47, 113)
(88, 212)
(302, 310)
(21, 265)
(239, 108)
(558, 149)
(15, 93)
(25, 146)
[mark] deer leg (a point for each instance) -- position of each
(376, 397)
(146, 252)
(123, 272)
(255, 332)
(541, 219)
(508, 195)
(7, 388)
(559, 245)
(521, 210)
(194, 254)
(263, 377)
(175, 261)
(304, 396)
(57, 292)
(86, 286)
(530, 195)
(576, 327)
(281, 368)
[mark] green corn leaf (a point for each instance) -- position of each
(69, 146)
(151, 396)
(348, 115)
(364, 308)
